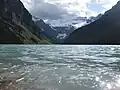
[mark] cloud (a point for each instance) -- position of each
(107, 4)
(58, 8)
(80, 7)
(45, 10)
(49, 11)
(66, 10)
(77, 7)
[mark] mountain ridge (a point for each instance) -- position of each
(105, 30)
(16, 24)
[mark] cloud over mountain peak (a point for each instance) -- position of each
(67, 9)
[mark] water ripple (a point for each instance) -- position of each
(55, 67)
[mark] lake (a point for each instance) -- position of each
(59, 67)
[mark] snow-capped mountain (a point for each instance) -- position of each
(59, 30)
(75, 21)
(64, 31)
(50, 32)
(92, 19)
(103, 31)
(57, 34)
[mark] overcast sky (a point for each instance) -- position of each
(66, 9)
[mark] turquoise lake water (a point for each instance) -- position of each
(59, 67)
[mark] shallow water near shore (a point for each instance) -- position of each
(59, 67)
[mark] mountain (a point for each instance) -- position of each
(56, 34)
(45, 29)
(105, 30)
(92, 19)
(64, 32)
(77, 21)
(16, 24)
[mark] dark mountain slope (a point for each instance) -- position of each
(56, 35)
(47, 30)
(105, 30)
(16, 25)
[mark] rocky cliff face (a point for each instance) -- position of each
(63, 32)
(48, 30)
(92, 19)
(55, 34)
(105, 30)
(45, 30)
(14, 10)
(16, 24)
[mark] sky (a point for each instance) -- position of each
(57, 11)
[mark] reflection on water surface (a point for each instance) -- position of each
(55, 67)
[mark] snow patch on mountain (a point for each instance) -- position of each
(61, 29)
(61, 36)
(75, 21)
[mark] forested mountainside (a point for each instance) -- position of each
(105, 30)
(56, 34)
(16, 24)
